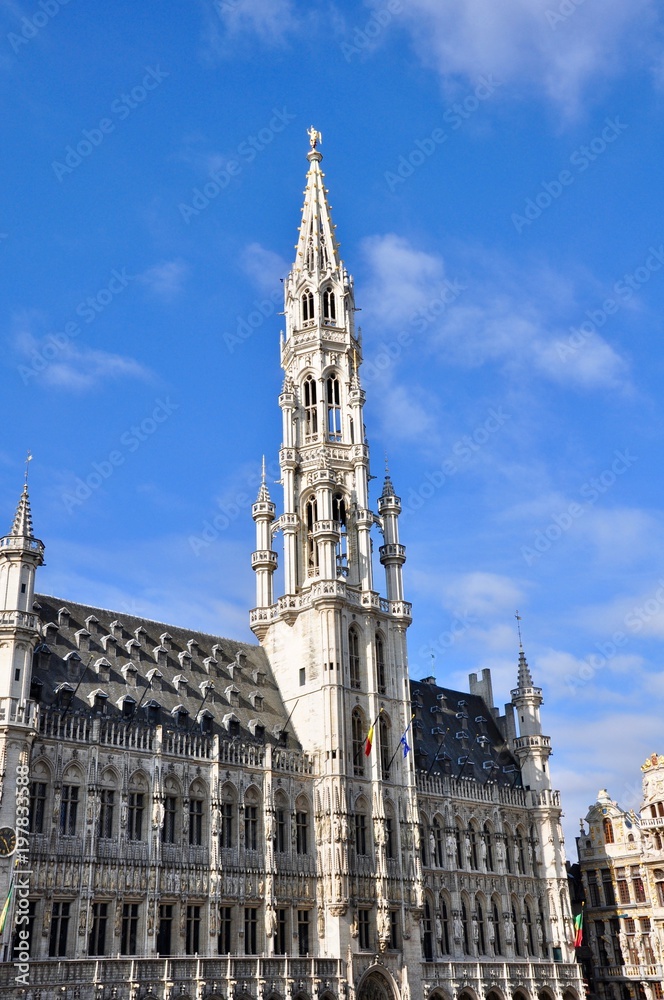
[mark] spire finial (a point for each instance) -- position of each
(387, 467)
(28, 459)
(518, 628)
(315, 137)
(263, 480)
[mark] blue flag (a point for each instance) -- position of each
(404, 743)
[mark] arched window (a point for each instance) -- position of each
(517, 936)
(464, 924)
(481, 935)
(362, 838)
(333, 409)
(497, 943)
(459, 846)
(488, 848)
(444, 927)
(302, 837)
(310, 407)
(70, 799)
(439, 842)
(608, 832)
(529, 931)
(311, 508)
(521, 852)
(137, 804)
(170, 829)
(307, 307)
(385, 754)
(381, 678)
(251, 819)
(427, 936)
(509, 843)
(197, 796)
(354, 656)
(358, 742)
(329, 306)
(227, 829)
(472, 835)
(107, 805)
(339, 515)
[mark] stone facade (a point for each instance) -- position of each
(621, 857)
(290, 819)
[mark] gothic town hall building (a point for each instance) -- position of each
(201, 817)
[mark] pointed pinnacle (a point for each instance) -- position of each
(22, 524)
(263, 492)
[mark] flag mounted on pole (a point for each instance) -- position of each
(368, 743)
(5, 908)
(578, 929)
(403, 742)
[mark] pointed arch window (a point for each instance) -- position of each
(497, 944)
(444, 927)
(307, 307)
(310, 408)
(488, 847)
(427, 935)
(529, 930)
(521, 852)
(339, 515)
(381, 679)
(481, 937)
(333, 409)
(312, 545)
(358, 734)
(329, 306)
(383, 735)
(464, 925)
(515, 927)
(354, 656)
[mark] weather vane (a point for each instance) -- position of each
(518, 628)
(28, 459)
(315, 137)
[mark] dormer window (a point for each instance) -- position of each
(130, 674)
(98, 701)
(63, 695)
(73, 661)
(180, 715)
(329, 306)
(140, 634)
(256, 700)
(192, 646)
(155, 679)
(217, 650)
(133, 648)
(205, 720)
(231, 723)
(103, 668)
(258, 677)
(116, 629)
(63, 617)
(166, 640)
(257, 729)
(207, 690)
(210, 663)
(160, 655)
(152, 713)
(180, 684)
(50, 631)
(232, 695)
(307, 307)
(83, 639)
(91, 623)
(127, 706)
(185, 658)
(36, 687)
(110, 643)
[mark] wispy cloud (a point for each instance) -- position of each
(165, 279)
(264, 267)
(226, 22)
(530, 44)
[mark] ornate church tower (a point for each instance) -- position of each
(337, 648)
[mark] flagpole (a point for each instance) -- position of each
(399, 743)
(362, 748)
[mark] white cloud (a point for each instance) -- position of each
(227, 21)
(483, 594)
(524, 44)
(65, 363)
(165, 279)
(513, 318)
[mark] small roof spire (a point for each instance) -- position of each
(263, 492)
(22, 523)
(525, 678)
(388, 486)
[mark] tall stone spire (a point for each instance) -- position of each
(317, 250)
(22, 524)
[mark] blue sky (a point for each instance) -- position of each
(495, 176)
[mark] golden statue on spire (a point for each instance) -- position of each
(315, 137)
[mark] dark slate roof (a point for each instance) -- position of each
(456, 733)
(241, 674)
